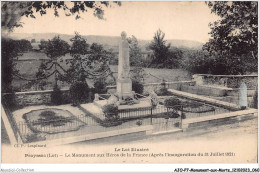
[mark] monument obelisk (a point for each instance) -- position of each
(124, 83)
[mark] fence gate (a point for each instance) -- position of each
(166, 124)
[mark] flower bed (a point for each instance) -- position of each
(52, 121)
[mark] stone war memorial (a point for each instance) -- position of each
(124, 82)
(124, 97)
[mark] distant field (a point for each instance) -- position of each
(28, 66)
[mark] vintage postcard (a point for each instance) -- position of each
(129, 82)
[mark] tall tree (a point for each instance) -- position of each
(12, 12)
(135, 54)
(235, 35)
(55, 49)
(160, 48)
(9, 51)
(78, 51)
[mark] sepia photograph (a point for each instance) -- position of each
(129, 82)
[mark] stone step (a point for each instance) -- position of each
(219, 119)
(204, 90)
(213, 90)
(205, 99)
(235, 92)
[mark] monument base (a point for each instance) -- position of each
(142, 103)
(124, 89)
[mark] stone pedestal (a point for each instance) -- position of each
(124, 88)
(243, 95)
(124, 82)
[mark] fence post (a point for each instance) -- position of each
(151, 116)
(181, 117)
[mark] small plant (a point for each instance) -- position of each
(154, 99)
(137, 87)
(177, 124)
(162, 92)
(47, 114)
(111, 112)
(56, 96)
(139, 122)
(129, 101)
(172, 102)
(183, 115)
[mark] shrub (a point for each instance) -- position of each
(111, 112)
(139, 122)
(162, 92)
(137, 87)
(183, 115)
(9, 101)
(100, 87)
(171, 102)
(79, 92)
(47, 114)
(56, 96)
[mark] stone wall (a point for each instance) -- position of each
(156, 86)
(38, 97)
(229, 81)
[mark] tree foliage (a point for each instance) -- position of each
(236, 31)
(23, 45)
(79, 92)
(160, 48)
(88, 62)
(233, 47)
(43, 45)
(56, 48)
(135, 54)
(79, 49)
(9, 51)
(164, 56)
(11, 12)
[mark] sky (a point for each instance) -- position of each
(178, 20)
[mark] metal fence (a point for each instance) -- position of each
(160, 117)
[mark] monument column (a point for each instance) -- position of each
(124, 83)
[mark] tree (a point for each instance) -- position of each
(98, 66)
(33, 41)
(89, 62)
(135, 55)
(9, 51)
(43, 44)
(78, 51)
(235, 35)
(55, 49)
(23, 45)
(159, 48)
(12, 12)
(174, 58)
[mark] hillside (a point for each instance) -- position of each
(109, 42)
